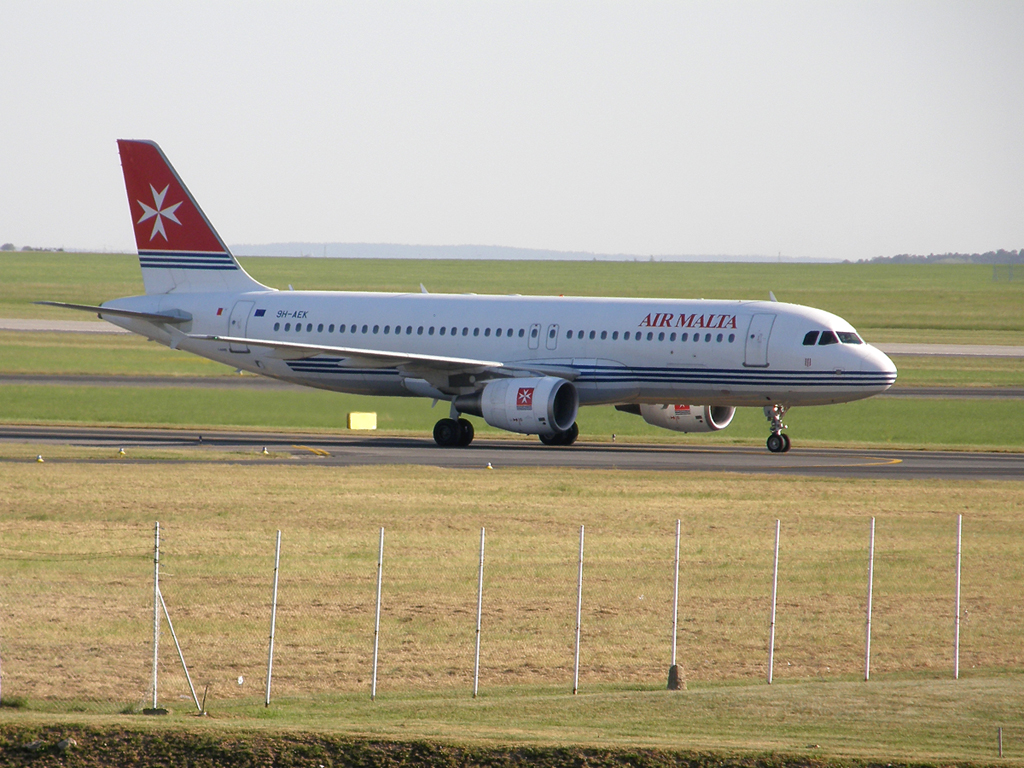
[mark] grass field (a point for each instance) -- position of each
(909, 423)
(76, 547)
(76, 568)
(898, 303)
(885, 302)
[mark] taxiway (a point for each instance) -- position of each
(355, 450)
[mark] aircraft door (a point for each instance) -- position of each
(756, 353)
(552, 339)
(534, 340)
(238, 322)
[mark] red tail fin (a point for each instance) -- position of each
(179, 250)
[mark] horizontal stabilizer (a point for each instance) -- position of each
(101, 311)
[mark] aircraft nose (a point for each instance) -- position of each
(874, 361)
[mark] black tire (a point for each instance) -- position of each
(572, 435)
(466, 432)
(446, 433)
(785, 443)
(775, 443)
(555, 439)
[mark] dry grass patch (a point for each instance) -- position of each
(76, 570)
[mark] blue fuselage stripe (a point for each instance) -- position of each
(589, 375)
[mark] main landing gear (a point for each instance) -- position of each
(562, 438)
(778, 442)
(458, 433)
(453, 433)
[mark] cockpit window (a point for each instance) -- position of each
(827, 337)
(850, 338)
(810, 338)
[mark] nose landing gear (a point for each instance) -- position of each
(778, 442)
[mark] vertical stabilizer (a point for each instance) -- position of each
(179, 250)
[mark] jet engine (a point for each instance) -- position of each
(684, 418)
(541, 406)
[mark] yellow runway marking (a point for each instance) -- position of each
(880, 463)
(317, 451)
(862, 461)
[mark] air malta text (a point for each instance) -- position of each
(671, 320)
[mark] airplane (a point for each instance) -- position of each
(525, 364)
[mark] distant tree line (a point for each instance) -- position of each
(13, 247)
(990, 257)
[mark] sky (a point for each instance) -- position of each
(819, 130)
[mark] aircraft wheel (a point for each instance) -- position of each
(775, 443)
(562, 438)
(446, 433)
(572, 435)
(785, 443)
(466, 432)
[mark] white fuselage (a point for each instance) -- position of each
(738, 353)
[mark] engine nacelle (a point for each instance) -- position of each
(542, 406)
(688, 418)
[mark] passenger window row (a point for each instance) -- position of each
(639, 336)
(499, 332)
(824, 338)
(398, 330)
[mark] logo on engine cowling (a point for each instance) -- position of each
(524, 400)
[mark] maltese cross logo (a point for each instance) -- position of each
(524, 399)
(159, 212)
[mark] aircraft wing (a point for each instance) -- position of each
(360, 358)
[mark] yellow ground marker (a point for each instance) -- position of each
(357, 420)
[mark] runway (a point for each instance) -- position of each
(294, 448)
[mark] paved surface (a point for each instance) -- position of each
(188, 382)
(952, 350)
(354, 450)
(59, 326)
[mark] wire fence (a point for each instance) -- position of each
(77, 626)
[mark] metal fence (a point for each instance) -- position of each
(77, 627)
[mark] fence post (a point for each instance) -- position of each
(871, 581)
(579, 612)
(956, 640)
(775, 588)
(479, 616)
(673, 671)
(156, 609)
(273, 619)
(376, 625)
